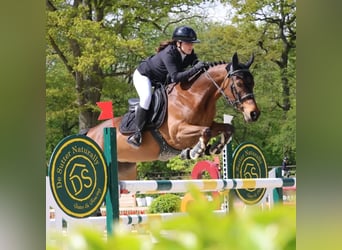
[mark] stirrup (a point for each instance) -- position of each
(135, 139)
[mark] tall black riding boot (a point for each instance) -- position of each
(140, 120)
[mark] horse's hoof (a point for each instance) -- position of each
(216, 150)
(195, 154)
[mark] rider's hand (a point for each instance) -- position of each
(201, 65)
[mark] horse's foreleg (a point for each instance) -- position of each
(226, 131)
(217, 147)
(199, 148)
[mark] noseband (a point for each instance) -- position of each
(237, 98)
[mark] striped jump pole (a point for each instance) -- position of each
(144, 218)
(182, 186)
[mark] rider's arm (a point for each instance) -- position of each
(173, 65)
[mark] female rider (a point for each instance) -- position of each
(167, 66)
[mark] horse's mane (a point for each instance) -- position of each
(212, 64)
(240, 66)
(216, 63)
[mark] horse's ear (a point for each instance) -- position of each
(250, 61)
(235, 62)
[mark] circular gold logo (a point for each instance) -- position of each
(249, 163)
(78, 176)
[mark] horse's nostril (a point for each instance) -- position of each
(254, 115)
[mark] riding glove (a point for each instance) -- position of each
(201, 65)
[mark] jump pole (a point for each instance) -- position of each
(204, 185)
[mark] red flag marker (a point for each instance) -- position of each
(106, 110)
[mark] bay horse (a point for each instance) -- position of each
(189, 123)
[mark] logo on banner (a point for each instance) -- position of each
(249, 163)
(78, 176)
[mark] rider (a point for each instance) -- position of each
(172, 58)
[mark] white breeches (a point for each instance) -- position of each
(144, 88)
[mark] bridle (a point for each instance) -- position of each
(237, 98)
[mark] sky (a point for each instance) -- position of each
(218, 12)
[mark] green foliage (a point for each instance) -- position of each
(275, 130)
(118, 91)
(177, 163)
(201, 229)
(145, 169)
(61, 110)
(118, 34)
(168, 169)
(165, 203)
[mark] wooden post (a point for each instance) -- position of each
(112, 196)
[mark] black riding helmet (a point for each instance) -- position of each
(185, 34)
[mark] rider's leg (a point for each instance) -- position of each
(143, 86)
(140, 120)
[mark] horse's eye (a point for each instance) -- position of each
(240, 84)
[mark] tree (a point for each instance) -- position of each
(277, 19)
(61, 111)
(96, 39)
(94, 46)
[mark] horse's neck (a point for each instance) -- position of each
(201, 94)
(208, 84)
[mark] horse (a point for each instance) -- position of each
(189, 122)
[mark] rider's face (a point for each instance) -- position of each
(187, 47)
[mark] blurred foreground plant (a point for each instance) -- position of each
(251, 229)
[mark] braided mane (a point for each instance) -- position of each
(212, 64)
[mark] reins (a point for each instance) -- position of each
(238, 99)
(218, 87)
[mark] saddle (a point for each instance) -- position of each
(155, 116)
